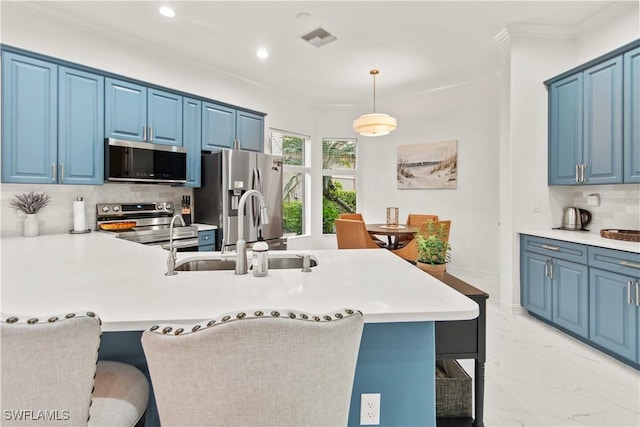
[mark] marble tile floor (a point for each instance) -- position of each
(538, 376)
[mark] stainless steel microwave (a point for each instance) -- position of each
(130, 161)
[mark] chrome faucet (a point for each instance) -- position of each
(171, 261)
(241, 244)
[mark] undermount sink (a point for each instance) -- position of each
(275, 263)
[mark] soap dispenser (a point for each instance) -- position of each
(260, 262)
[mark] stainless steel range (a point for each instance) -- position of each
(146, 223)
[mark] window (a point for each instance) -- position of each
(339, 180)
(296, 179)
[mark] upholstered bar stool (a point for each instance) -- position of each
(256, 368)
(51, 375)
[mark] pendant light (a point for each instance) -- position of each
(374, 124)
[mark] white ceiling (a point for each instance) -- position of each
(417, 45)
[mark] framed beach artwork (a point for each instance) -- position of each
(428, 165)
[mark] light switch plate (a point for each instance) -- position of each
(593, 200)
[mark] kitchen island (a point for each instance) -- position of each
(124, 283)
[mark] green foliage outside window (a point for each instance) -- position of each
(292, 217)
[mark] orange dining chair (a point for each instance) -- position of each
(416, 220)
(352, 234)
(410, 250)
(358, 217)
(355, 216)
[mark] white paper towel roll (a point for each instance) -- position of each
(79, 221)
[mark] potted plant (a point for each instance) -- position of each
(29, 204)
(433, 248)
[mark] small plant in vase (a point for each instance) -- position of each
(433, 248)
(29, 204)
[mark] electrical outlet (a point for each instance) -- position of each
(593, 199)
(370, 409)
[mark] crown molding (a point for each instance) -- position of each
(609, 12)
(562, 32)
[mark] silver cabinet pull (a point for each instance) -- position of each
(551, 248)
(552, 273)
(144, 134)
(629, 299)
(638, 294)
(577, 173)
(53, 172)
(583, 168)
(150, 134)
(546, 268)
(61, 172)
(630, 264)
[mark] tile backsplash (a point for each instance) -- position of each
(619, 205)
(57, 217)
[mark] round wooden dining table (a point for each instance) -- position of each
(392, 232)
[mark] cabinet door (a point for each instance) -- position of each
(571, 296)
(125, 110)
(164, 118)
(631, 132)
(192, 138)
(603, 122)
(250, 131)
(565, 130)
(29, 120)
(535, 284)
(612, 317)
(80, 127)
(218, 126)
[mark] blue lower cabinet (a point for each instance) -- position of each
(206, 240)
(614, 313)
(571, 296)
(535, 291)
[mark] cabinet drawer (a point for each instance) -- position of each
(622, 262)
(555, 248)
(205, 238)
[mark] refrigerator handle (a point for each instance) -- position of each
(255, 207)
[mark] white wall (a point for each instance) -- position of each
(530, 61)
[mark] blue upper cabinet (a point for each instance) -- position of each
(565, 130)
(125, 110)
(222, 125)
(218, 126)
(594, 121)
(29, 120)
(80, 127)
(603, 123)
(164, 118)
(632, 116)
(136, 113)
(250, 131)
(192, 138)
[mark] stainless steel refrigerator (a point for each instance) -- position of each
(226, 176)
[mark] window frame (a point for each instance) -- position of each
(341, 172)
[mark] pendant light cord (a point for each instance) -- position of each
(373, 73)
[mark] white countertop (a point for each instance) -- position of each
(124, 283)
(586, 238)
(205, 227)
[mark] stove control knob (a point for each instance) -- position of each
(105, 209)
(168, 206)
(116, 208)
(160, 206)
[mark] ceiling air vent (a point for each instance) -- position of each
(318, 37)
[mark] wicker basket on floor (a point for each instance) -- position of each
(453, 390)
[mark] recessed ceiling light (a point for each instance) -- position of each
(262, 53)
(167, 11)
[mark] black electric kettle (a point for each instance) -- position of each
(575, 218)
